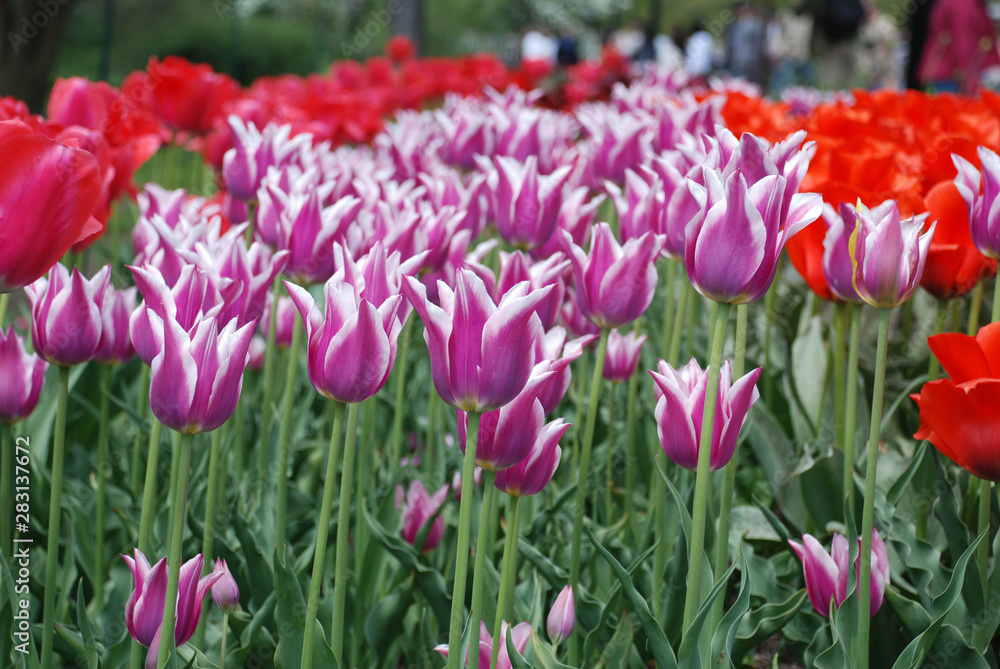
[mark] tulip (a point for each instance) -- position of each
(67, 325)
(352, 349)
(554, 354)
(516, 267)
(225, 591)
(520, 635)
(614, 283)
(531, 475)
(826, 574)
(188, 96)
(197, 376)
(116, 343)
(838, 270)
(732, 248)
(959, 415)
(622, 356)
(417, 509)
(479, 350)
(145, 606)
(23, 374)
(679, 206)
(640, 206)
(576, 215)
(254, 152)
(984, 216)
(308, 230)
(887, 254)
(48, 192)
(526, 204)
(954, 264)
(680, 403)
(562, 616)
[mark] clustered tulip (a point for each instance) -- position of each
(520, 634)
(826, 574)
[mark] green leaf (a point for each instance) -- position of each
(689, 651)
(544, 656)
(725, 635)
(657, 640)
(913, 655)
(517, 660)
(290, 616)
(386, 618)
(679, 501)
(762, 623)
(617, 649)
(83, 622)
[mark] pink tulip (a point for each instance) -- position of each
(225, 591)
(254, 152)
(984, 213)
(680, 206)
(516, 267)
(526, 204)
(614, 283)
(144, 608)
(352, 348)
(197, 376)
(417, 508)
(66, 322)
(576, 215)
(308, 230)
(681, 403)
(887, 254)
(622, 356)
(837, 266)
(23, 374)
(116, 343)
(562, 617)
(826, 574)
(533, 473)
(520, 634)
(639, 206)
(481, 353)
(554, 354)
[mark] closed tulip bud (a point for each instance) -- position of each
(827, 574)
(614, 283)
(516, 267)
(526, 203)
(481, 353)
(887, 254)
(197, 375)
(23, 375)
(837, 267)
(622, 356)
(562, 617)
(984, 214)
(225, 592)
(417, 508)
(533, 473)
(116, 343)
(681, 402)
(66, 323)
(520, 635)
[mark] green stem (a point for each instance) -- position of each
(462, 550)
(677, 332)
(433, 443)
(668, 307)
(995, 317)
(769, 299)
(507, 576)
(583, 474)
(578, 381)
(322, 533)
(6, 487)
(208, 537)
(699, 518)
(975, 307)
(225, 638)
(868, 512)
(983, 552)
(841, 317)
(239, 453)
(729, 473)
(362, 490)
(270, 353)
(343, 531)
(55, 515)
(660, 553)
(102, 477)
(137, 443)
(851, 405)
(630, 461)
(4, 303)
(934, 367)
(479, 570)
(399, 368)
(174, 554)
(609, 474)
(285, 444)
(149, 487)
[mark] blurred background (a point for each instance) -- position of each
(824, 43)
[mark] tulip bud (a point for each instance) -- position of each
(23, 375)
(826, 574)
(622, 356)
(225, 592)
(562, 617)
(66, 320)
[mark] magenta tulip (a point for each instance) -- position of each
(516, 267)
(531, 475)
(681, 403)
(23, 374)
(417, 508)
(562, 616)
(520, 635)
(481, 353)
(116, 343)
(66, 322)
(225, 591)
(837, 267)
(887, 254)
(526, 204)
(622, 356)
(826, 574)
(984, 210)
(614, 283)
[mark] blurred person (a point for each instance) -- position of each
(627, 41)
(878, 61)
(789, 46)
(840, 24)
(669, 51)
(539, 44)
(916, 26)
(647, 52)
(745, 44)
(699, 52)
(566, 52)
(961, 46)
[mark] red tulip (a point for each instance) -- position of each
(959, 415)
(48, 192)
(187, 96)
(954, 264)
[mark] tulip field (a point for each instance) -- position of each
(431, 362)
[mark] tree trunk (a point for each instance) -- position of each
(31, 30)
